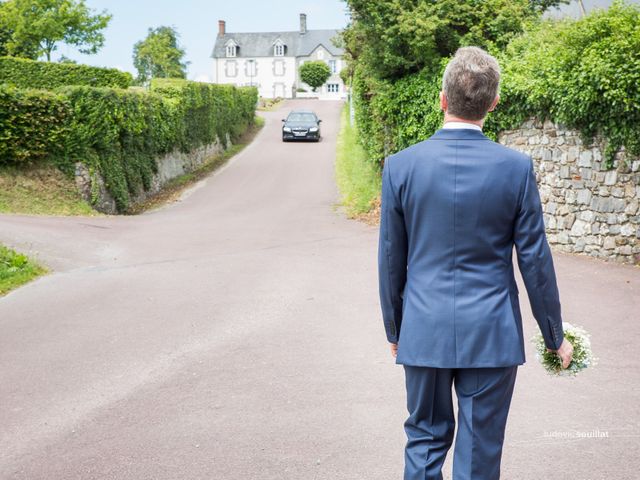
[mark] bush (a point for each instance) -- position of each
(119, 133)
(584, 74)
(315, 73)
(26, 73)
(208, 111)
(393, 115)
(32, 125)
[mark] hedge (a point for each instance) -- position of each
(25, 73)
(119, 133)
(32, 125)
(582, 73)
(208, 111)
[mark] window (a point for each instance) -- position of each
(320, 54)
(250, 68)
(301, 117)
(230, 67)
(332, 66)
(278, 50)
(278, 68)
(231, 50)
(333, 87)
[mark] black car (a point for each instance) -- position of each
(301, 125)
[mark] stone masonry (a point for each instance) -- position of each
(92, 187)
(587, 209)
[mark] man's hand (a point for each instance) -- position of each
(565, 352)
(394, 349)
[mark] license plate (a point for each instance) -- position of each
(299, 134)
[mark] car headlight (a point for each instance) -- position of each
(286, 129)
(313, 129)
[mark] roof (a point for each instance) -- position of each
(260, 44)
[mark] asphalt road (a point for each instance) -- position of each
(236, 334)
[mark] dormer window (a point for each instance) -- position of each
(278, 48)
(231, 49)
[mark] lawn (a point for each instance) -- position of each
(40, 190)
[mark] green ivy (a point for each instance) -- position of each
(25, 73)
(32, 125)
(119, 133)
(584, 74)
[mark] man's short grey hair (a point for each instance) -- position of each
(470, 83)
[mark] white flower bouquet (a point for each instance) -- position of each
(582, 354)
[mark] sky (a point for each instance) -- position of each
(197, 24)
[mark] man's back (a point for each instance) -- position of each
(463, 201)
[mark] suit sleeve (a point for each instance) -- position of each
(392, 257)
(536, 263)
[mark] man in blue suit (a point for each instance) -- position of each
(453, 207)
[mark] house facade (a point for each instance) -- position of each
(271, 61)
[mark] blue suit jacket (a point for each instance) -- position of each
(453, 207)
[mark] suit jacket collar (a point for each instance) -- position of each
(458, 134)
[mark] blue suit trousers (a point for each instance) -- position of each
(484, 396)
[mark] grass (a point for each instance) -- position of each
(16, 269)
(172, 190)
(358, 178)
(40, 189)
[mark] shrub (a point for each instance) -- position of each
(315, 73)
(32, 125)
(584, 74)
(26, 73)
(208, 111)
(119, 133)
(393, 115)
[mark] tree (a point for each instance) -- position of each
(159, 55)
(400, 37)
(315, 73)
(35, 27)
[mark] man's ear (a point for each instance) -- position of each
(443, 101)
(495, 103)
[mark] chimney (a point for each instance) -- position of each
(303, 23)
(222, 27)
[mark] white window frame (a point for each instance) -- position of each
(333, 66)
(251, 67)
(333, 88)
(231, 49)
(278, 50)
(231, 69)
(320, 54)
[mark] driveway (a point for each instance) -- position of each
(236, 334)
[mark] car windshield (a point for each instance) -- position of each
(301, 117)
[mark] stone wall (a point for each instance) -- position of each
(93, 190)
(587, 209)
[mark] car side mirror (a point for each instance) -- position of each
(283, 120)
(319, 121)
